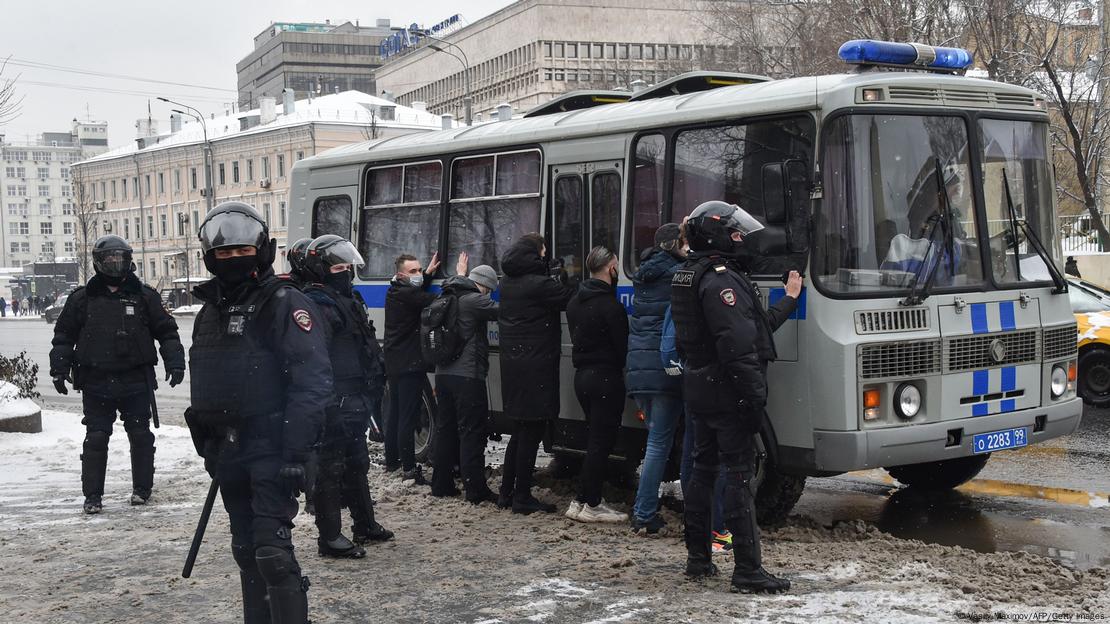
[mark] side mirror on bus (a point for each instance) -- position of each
(776, 205)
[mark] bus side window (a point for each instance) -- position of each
(568, 225)
(332, 215)
(646, 204)
(605, 211)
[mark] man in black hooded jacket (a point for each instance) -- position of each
(104, 345)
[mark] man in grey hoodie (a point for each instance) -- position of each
(460, 434)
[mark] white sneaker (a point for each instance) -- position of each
(600, 513)
(574, 509)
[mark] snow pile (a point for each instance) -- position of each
(11, 406)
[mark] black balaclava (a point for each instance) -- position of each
(340, 281)
(234, 271)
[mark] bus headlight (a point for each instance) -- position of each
(1058, 383)
(907, 401)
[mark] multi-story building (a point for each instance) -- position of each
(152, 192)
(37, 205)
(534, 50)
(311, 57)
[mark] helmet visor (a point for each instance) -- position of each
(231, 229)
(342, 252)
(112, 262)
(744, 222)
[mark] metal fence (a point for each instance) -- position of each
(1078, 234)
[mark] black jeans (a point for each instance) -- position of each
(520, 458)
(405, 398)
(600, 392)
(461, 435)
(724, 438)
(100, 413)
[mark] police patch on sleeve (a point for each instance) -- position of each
(302, 319)
(728, 296)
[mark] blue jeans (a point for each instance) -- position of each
(661, 412)
(686, 472)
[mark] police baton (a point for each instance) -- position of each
(202, 524)
(152, 381)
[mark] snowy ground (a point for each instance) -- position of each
(452, 562)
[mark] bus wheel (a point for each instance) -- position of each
(939, 475)
(1094, 377)
(776, 492)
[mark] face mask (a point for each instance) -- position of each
(111, 280)
(417, 280)
(340, 281)
(236, 270)
(613, 277)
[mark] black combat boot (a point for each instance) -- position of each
(529, 504)
(749, 577)
(94, 463)
(92, 505)
(699, 546)
(340, 548)
(286, 588)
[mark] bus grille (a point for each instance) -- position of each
(1060, 342)
(899, 359)
(888, 321)
(974, 352)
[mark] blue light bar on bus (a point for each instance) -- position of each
(871, 52)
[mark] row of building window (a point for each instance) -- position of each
(23, 228)
(20, 190)
(22, 209)
(181, 227)
(47, 249)
(345, 49)
(43, 172)
(19, 155)
(120, 190)
(324, 83)
(616, 51)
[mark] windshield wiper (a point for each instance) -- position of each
(1061, 284)
(942, 219)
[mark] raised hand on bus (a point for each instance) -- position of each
(793, 284)
(461, 263)
(433, 264)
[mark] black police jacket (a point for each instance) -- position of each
(403, 303)
(112, 334)
(724, 334)
(356, 357)
(259, 350)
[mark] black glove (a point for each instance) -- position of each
(175, 376)
(60, 385)
(210, 466)
(293, 474)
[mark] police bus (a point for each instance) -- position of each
(917, 202)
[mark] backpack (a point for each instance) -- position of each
(441, 342)
(668, 349)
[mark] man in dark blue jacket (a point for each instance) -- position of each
(657, 394)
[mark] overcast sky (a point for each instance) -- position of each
(194, 42)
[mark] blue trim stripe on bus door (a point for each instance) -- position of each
(980, 383)
(979, 318)
(986, 317)
(1006, 315)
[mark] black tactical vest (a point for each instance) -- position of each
(347, 347)
(694, 343)
(235, 375)
(115, 336)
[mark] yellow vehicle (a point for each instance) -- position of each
(1091, 305)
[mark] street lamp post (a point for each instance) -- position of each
(195, 114)
(468, 101)
(183, 218)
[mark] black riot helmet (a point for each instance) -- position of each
(294, 255)
(111, 257)
(711, 225)
(327, 251)
(235, 224)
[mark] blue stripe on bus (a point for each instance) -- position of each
(1006, 315)
(979, 409)
(979, 318)
(374, 294)
(1009, 378)
(1008, 405)
(799, 313)
(980, 382)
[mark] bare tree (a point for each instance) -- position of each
(10, 100)
(85, 210)
(997, 31)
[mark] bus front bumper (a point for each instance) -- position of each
(844, 451)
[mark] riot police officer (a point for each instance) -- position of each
(724, 335)
(104, 345)
(359, 378)
(260, 379)
(294, 256)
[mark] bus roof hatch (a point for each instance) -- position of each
(692, 82)
(577, 100)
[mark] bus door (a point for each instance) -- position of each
(585, 211)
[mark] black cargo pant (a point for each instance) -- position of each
(405, 396)
(344, 462)
(600, 392)
(132, 404)
(460, 435)
(726, 438)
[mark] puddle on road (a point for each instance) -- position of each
(954, 518)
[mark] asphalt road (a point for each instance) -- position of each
(1038, 499)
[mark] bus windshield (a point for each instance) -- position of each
(889, 179)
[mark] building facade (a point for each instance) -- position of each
(311, 57)
(152, 192)
(37, 204)
(534, 50)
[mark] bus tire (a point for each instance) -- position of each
(776, 492)
(1094, 376)
(945, 474)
